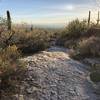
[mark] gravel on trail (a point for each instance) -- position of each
(53, 75)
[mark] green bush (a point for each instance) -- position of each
(26, 41)
(72, 32)
(32, 41)
(76, 28)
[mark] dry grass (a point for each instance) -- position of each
(90, 47)
(10, 70)
(28, 41)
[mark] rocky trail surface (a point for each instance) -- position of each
(53, 75)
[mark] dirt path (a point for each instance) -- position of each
(52, 75)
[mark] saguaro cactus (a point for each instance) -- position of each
(8, 20)
(89, 18)
(31, 28)
(98, 18)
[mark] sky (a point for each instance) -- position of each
(48, 12)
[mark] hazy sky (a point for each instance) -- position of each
(47, 11)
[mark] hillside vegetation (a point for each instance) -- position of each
(15, 43)
(84, 42)
(82, 39)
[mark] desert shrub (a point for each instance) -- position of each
(6, 38)
(93, 31)
(73, 31)
(76, 28)
(31, 41)
(10, 52)
(10, 69)
(89, 47)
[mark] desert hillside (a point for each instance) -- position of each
(50, 50)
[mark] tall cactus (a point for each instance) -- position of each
(89, 18)
(31, 27)
(8, 20)
(98, 18)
